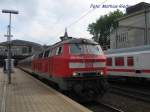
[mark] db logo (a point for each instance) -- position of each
(89, 65)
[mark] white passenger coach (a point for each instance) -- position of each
(129, 62)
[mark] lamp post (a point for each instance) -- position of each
(9, 42)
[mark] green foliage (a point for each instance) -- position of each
(103, 26)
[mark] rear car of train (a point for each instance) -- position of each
(129, 64)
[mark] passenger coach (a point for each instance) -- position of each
(129, 62)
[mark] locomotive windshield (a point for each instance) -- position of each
(85, 49)
(94, 49)
(76, 49)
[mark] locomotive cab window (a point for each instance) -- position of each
(85, 49)
(94, 49)
(76, 49)
(53, 53)
(40, 55)
(50, 53)
(46, 54)
(59, 51)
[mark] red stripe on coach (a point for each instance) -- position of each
(128, 70)
(146, 71)
(121, 70)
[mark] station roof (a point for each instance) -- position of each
(137, 7)
(21, 43)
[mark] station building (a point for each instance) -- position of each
(134, 28)
(20, 49)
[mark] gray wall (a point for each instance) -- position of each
(131, 31)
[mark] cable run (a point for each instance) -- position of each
(90, 11)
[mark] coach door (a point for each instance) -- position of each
(51, 61)
(137, 64)
(46, 59)
(57, 60)
(145, 63)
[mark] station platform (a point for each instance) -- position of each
(27, 94)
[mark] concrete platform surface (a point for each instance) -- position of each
(27, 94)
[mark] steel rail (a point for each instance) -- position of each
(138, 95)
(110, 107)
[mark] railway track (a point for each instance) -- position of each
(98, 106)
(101, 107)
(131, 93)
(110, 108)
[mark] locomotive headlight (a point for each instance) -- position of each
(74, 74)
(102, 73)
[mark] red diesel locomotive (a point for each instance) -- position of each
(76, 65)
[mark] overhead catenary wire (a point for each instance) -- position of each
(87, 13)
(81, 17)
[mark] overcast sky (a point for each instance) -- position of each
(43, 21)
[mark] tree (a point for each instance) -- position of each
(103, 26)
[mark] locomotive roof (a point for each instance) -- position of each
(74, 41)
(69, 41)
(77, 41)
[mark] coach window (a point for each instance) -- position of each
(53, 52)
(130, 61)
(59, 51)
(40, 55)
(46, 53)
(50, 53)
(119, 61)
(109, 62)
